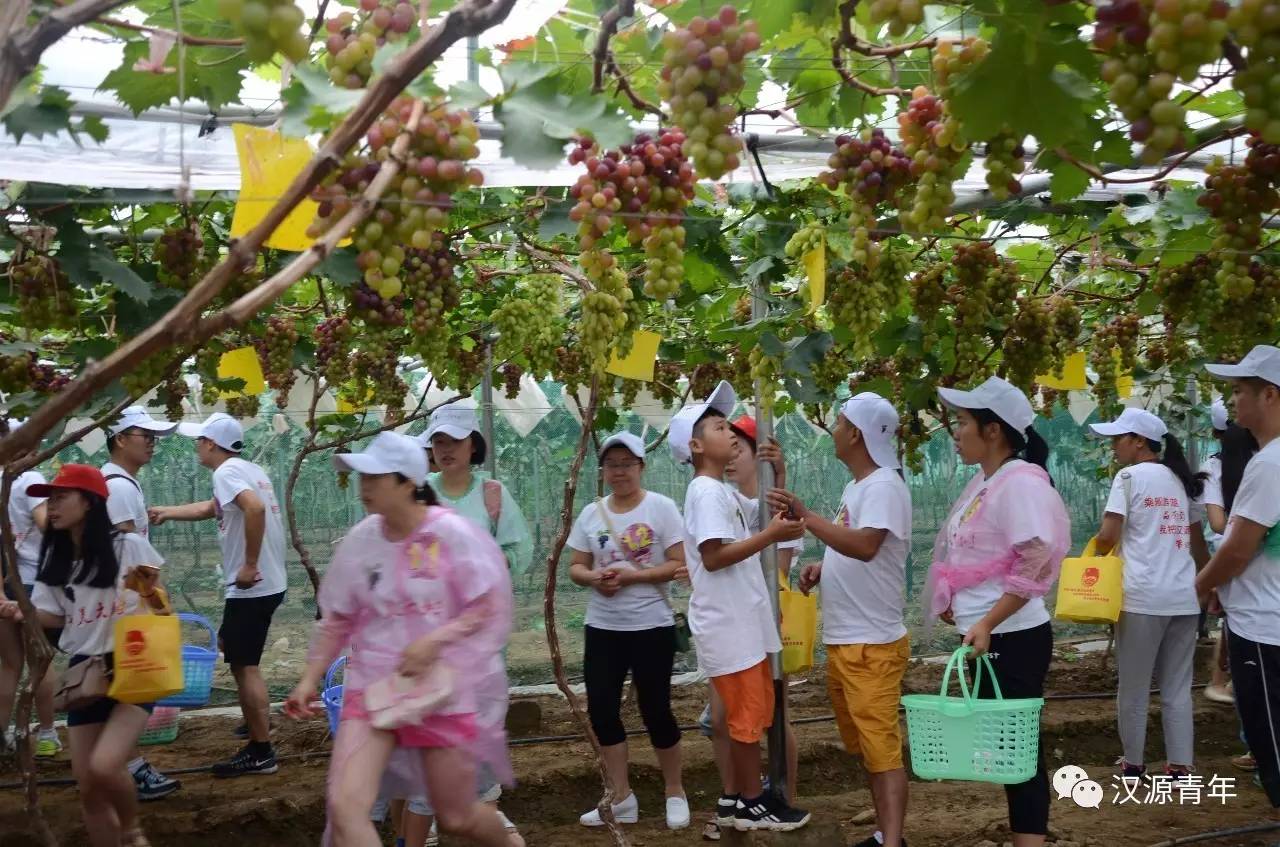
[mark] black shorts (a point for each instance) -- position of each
(245, 622)
(99, 711)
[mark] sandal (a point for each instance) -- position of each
(134, 838)
(711, 831)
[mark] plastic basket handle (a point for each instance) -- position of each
(192, 617)
(956, 663)
(333, 670)
(984, 661)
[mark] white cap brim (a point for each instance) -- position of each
(1230, 371)
(191, 430)
(457, 433)
(1109, 429)
(361, 463)
(958, 399)
(632, 443)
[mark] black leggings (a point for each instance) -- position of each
(648, 654)
(1021, 660)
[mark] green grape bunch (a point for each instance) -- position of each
(604, 317)
(268, 27)
(244, 407)
(806, 238)
(529, 324)
(1255, 25)
(1027, 347)
(901, 15)
(1237, 198)
(702, 74)
(46, 297)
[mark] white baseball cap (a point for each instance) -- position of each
(220, 428)
(1263, 362)
(1133, 422)
(1003, 398)
(388, 452)
(454, 421)
(624, 439)
(680, 432)
(137, 416)
(1218, 415)
(876, 419)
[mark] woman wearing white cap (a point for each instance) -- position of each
(626, 548)
(457, 448)
(1148, 516)
(997, 556)
(423, 599)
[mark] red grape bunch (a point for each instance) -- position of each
(275, 355)
(268, 27)
(1255, 24)
(178, 252)
(654, 206)
(431, 289)
(46, 298)
(598, 191)
(1237, 197)
(871, 171)
(333, 348)
(702, 75)
(1027, 346)
(931, 139)
(353, 40)
(417, 202)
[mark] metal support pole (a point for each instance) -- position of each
(486, 411)
(769, 562)
(1193, 400)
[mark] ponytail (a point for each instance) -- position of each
(1037, 449)
(423, 493)
(1172, 457)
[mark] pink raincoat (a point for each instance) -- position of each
(988, 545)
(379, 596)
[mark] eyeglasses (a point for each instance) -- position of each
(620, 466)
(149, 437)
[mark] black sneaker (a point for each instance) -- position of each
(153, 785)
(870, 841)
(246, 763)
(769, 813)
(242, 731)
(726, 807)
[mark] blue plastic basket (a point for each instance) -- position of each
(197, 668)
(332, 695)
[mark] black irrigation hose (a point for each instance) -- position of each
(1218, 833)
(544, 739)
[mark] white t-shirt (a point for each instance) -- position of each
(1159, 573)
(647, 531)
(26, 535)
(730, 612)
(125, 501)
(89, 613)
(862, 602)
(1252, 599)
(1211, 496)
(232, 477)
(1015, 500)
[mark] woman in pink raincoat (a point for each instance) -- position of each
(413, 590)
(997, 556)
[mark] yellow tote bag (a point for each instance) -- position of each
(148, 658)
(1090, 587)
(799, 629)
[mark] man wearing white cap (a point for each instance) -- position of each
(1246, 568)
(131, 443)
(863, 577)
(1149, 516)
(731, 611)
(252, 539)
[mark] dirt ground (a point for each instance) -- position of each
(558, 781)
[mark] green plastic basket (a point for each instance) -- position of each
(162, 726)
(969, 738)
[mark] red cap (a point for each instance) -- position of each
(746, 426)
(73, 478)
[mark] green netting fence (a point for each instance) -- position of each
(533, 467)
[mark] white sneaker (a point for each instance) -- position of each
(433, 837)
(628, 811)
(677, 813)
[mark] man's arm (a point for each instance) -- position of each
(40, 516)
(1233, 556)
(1109, 533)
(202, 511)
(861, 543)
(255, 525)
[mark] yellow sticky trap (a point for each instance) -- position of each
(343, 406)
(1124, 381)
(268, 164)
(1073, 378)
(639, 364)
(242, 364)
(815, 267)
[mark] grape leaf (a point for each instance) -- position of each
(45, 112)
(468, 95)
(312, 101)
(210, 76)
(538, 118)
(103, 262)
(1224, 104)
(1067, 181)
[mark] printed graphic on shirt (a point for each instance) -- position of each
(973, 506)
(842, 516)
(424, 558)
(1173, 518)
(638, 539)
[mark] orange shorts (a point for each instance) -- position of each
(748, 701)
(865, 684)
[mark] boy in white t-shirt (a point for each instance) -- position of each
(863, 577)
(731, 612)
(1245, 570)
(252, 538)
